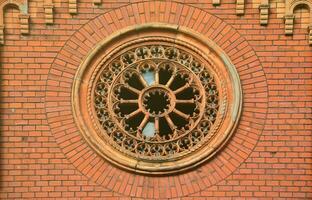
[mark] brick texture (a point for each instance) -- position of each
(43, 155)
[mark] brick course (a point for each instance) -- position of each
(44, 156)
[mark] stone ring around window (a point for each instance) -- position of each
(156, 99)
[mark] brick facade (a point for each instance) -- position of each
(43, 154)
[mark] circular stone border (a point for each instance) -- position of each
(89, 164)
(200, 153)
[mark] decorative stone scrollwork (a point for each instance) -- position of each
(157, 103)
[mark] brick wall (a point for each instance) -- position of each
(43, 156)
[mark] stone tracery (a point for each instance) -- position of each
(158, 100)
(157, 103)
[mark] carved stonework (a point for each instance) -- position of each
(240, 7)
(48, 11)
(161, 100)
(156, 101)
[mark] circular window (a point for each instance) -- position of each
(156, 100)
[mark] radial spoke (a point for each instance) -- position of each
(181, 88)
(185, 116)
(170, 80)
(170, 123)
(157, 124)
(134, 113)
(143, 123)
(185, 101)
(128, 101)
(156, 77)
(132, 89)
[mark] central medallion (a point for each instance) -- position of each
(157, 101)
(157, 104)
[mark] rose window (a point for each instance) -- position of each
(156, 104)
(151, 101)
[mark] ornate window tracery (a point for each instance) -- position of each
(158, 103)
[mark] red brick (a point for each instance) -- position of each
(44, 156)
